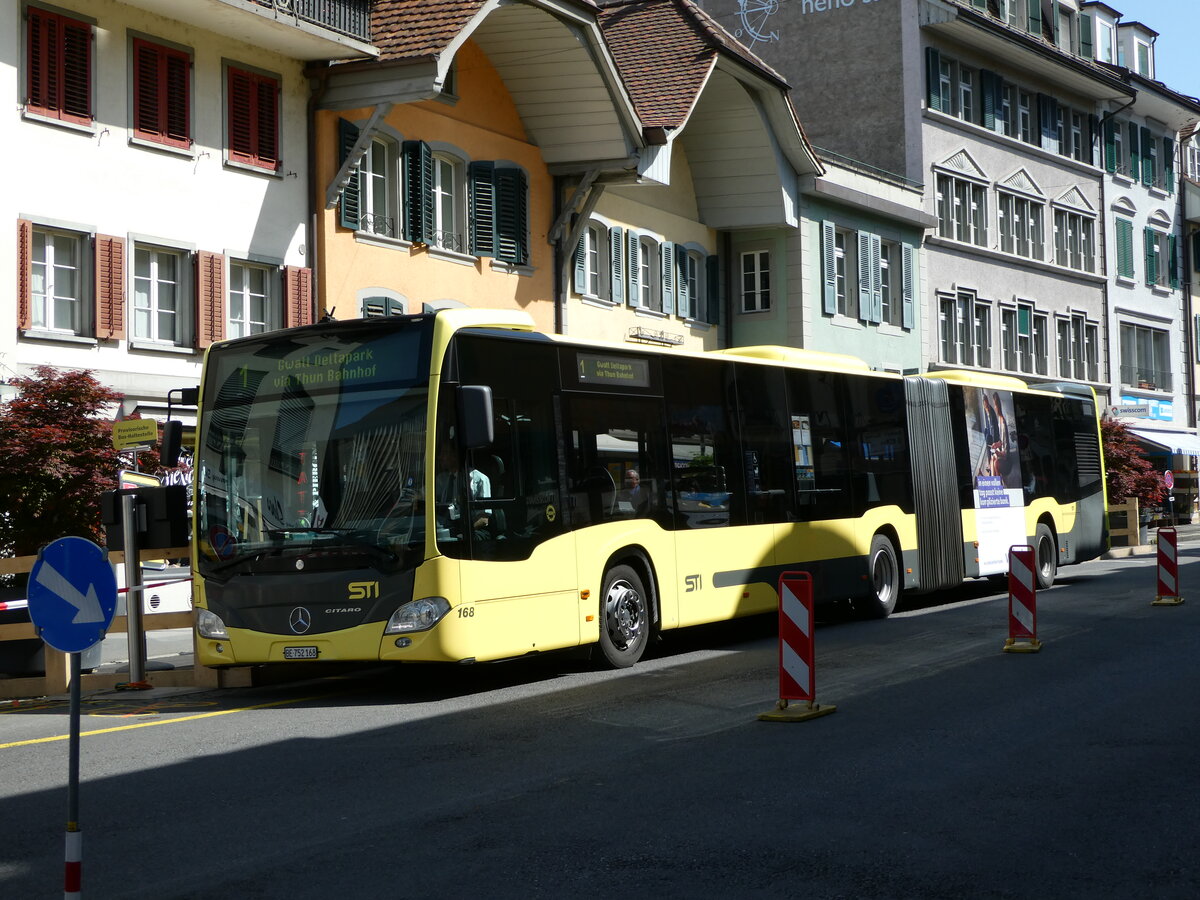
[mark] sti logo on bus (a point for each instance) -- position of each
(693, 582)
(363, 590)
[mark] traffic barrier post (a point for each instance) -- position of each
(1022, 601)
(797, 658)
(1168, 568)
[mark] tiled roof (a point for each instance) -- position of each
(664, 50)
(415, 29)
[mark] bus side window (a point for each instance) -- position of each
(816, 403)
(705, 490)
(767, 456)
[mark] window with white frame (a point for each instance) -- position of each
(58, 281)
(448, 218)
(1024, 339)
(1144, 58)
(251, 298)
(1192, 157)
(377, 188)
(845, 268)
(962, 209)
(648, 279)
(965, 330)
(890, 287)
(756, 280)
(1145, 358)
(693, 282)
(1106, 40)
(1074, 240)
(1025, 116)
(1160, 253)
(1021, 226)
(161, 307)
(593, 236)
(1078, 342)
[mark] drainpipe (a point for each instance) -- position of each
(1189, 329)
(560, 289)
(311, 256)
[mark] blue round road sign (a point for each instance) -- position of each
(72, 594)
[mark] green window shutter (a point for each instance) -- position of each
(683, 301)
(616, 261)
(1151, 255)
(512, 212)
(933, 71)
(1168, 157)
(864, 277)
(635, 258)
(988, 82)
(712, 266)
(1148, 172)
(481, 208)
(1173, 261)
(908, 260)
(581, 264)
(351, 209)
(1087, 37)
(828, 269)
(418, 186)
(1052, 15)
(1035, 17)
(1135, 154)
(666, 267)
(1110, 145)
(1125, 248)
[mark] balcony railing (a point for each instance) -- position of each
(1146, 379)
(349, 17)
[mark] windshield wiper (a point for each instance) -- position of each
(351, 535)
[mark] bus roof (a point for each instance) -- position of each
(815, 359)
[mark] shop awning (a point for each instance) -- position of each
(1180, 442)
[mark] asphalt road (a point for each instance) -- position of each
(949, 770)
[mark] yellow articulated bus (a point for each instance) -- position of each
(456, 487)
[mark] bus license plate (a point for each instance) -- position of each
(299, 652)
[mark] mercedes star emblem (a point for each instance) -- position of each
(300, 620)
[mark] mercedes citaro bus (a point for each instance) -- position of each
(455, 487)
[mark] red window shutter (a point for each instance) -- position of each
(210, 298)
(110, 288)
(253, 119)
(59, 67)
(161, 94)
(24, 263)
(297, 296)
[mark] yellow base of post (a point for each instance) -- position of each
(782, 713)
(1167, 601)
(1030, 645)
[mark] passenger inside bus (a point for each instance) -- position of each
(448, 483)
(635, 498)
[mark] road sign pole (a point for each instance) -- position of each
(133, 593)
(72, 875)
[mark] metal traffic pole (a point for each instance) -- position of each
(133, 593)
(73, 874)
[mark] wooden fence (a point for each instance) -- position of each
(57, 670)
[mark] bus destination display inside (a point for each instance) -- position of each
(614, 370)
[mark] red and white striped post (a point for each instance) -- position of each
(1168, 568)
(1022, 601)
(797, 657)
(73, 875)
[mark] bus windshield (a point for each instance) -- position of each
(311, 450)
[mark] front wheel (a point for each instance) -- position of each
(624, 617)
(1046, 554)
(884, 570)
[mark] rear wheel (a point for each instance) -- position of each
(1046, 554)
(624, 617)
(884, 570)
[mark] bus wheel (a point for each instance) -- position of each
(884, 572)
(624, 617)
(1047, 556)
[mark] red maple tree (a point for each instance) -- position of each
(1127, 471)
(56, 458)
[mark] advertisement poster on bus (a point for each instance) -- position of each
(996, 476)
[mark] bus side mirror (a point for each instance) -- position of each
(172, 443)
(474, 416)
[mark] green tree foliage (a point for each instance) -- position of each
(1128, 473)
(56, 458)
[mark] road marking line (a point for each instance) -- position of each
(207, 715)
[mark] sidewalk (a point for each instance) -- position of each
(1188, 534)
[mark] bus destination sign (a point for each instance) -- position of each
(615, 370)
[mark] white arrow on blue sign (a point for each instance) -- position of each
(72, 594)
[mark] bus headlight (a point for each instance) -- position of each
(209, 625)
(418, 615)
